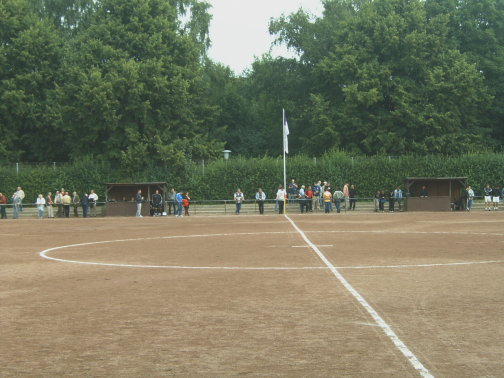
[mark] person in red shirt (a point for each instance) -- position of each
(309, 197)
(186, 203)
(3, 205)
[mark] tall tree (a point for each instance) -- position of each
(477, 30)
(133, 75)
(388, 79)
(31, 54)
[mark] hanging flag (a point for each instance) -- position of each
(285, 133)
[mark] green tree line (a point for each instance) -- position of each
(129, 83)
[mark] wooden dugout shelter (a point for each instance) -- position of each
(444, 193)
(120, 197)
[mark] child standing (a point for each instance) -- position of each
(185, 203)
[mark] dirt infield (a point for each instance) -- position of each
(247, 296)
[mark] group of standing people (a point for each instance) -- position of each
(394, 197)
(320, 196)
(57, 206)
(17, 203)
(63, 202)
(176, 201)
(492, 197)
(311, 198)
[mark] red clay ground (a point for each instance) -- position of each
(292, 317)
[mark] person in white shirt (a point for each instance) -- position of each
(337, 197)
(20, 194)
(398, 197)
(58, 201)
(470, 198)
(40, 205)
(302, 199)
(280, 197)
(93, 198)
(260, 198)
(238, 198)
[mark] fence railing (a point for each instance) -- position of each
(226, 207)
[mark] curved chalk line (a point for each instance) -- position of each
(44, 253)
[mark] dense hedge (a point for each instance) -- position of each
(219, 179)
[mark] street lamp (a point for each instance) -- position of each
(226, 154)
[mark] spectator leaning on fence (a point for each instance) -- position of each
(3, 205)
(260, 198)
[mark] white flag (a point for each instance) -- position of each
(285, 133)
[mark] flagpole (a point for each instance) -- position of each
(284, 164)
(284, 160)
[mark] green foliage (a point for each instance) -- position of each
(129, 82)
(219, 179)
(121, 80)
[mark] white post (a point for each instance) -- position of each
(283, 139)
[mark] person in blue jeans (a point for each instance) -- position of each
(238, 198)
(179, 197)
(337, 197)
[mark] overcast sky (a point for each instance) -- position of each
(239, 28)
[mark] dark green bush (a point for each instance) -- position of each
(219, 179)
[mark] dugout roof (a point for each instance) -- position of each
(126, 191)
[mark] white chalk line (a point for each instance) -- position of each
(417, 365)
(44, 254)
(307, 246)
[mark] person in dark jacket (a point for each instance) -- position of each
(383, 199)
(391, 203)
(157, 204)
(353, 197)
(85, 205)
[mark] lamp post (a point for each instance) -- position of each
(226, 158)
(226, 154)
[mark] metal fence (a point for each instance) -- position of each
(228, 207)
